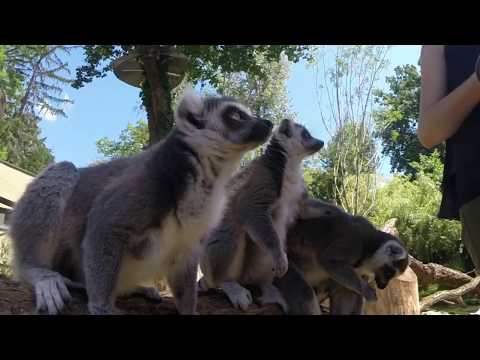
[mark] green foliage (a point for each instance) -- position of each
(345, 77)
(352, 148)
(415, 203)
(5, 255)
(206, 64)
(30, 82)
(131, 141)
(22, 144)
(267, 97)
(320, 182)
(350, 161)
(396, 122)
(206, 61)
(41, 72)
(430, 289)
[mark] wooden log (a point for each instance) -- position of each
(17, 298)
(431, 300)
(436, 273)
(400, 297)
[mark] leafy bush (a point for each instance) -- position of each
(415, 204)
(5, 255)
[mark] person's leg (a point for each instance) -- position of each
(470, 218)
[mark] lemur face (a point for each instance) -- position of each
(222, 122)
(241, 127)
(297, 140)
(389, 261)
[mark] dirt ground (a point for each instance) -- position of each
(18, 299)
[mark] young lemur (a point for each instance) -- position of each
(115, 227)
(248, 246)
(334, 254)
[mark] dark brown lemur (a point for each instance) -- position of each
(338, 254)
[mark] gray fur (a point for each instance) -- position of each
(312, 208)
(344, 301)
(248, 246)
(339, 253)
(35, 245)
(116, 226)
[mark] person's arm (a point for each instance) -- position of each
(440, 115)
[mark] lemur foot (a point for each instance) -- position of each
(271, 295)
(51, 295)
(238, 295)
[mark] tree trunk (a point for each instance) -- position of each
(156, 92)
(400, 297)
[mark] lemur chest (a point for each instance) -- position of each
(177, 238)
(285, 209)
(203, 202)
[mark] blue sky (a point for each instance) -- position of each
(105, 106)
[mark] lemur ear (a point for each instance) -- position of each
(190, 109)
(285, 128)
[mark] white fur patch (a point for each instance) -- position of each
(199, 211)
(382, 256)
(288, 205)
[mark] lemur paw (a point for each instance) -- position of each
(241, 299)
(51, 295)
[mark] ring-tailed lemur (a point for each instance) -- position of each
(338, 254)
(248, 246)
(114, 227)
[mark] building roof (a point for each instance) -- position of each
(13, 182)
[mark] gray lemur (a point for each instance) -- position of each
(248, 246)
(338, 254)
(115, 227)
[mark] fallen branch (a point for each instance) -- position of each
(436, 273)
(431, 300)
(17, 298)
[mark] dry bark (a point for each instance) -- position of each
(18, 299)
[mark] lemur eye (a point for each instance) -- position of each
(233, 118)
(236, 116)
(395, 250)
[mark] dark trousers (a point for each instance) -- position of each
(470, 218)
